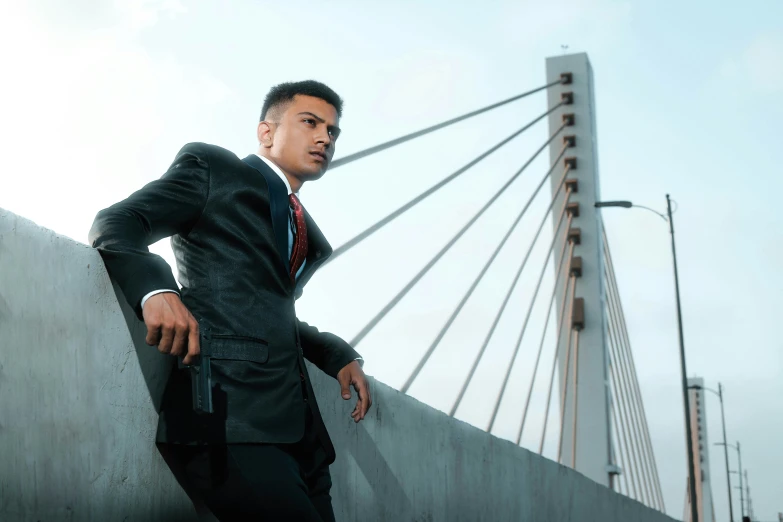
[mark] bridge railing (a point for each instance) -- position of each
(79, 390)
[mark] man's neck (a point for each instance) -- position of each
(293, 182)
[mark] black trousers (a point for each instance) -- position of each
(259, 482)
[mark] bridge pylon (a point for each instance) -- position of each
(585, 440)
(701, 454)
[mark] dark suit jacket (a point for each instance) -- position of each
(228, 223)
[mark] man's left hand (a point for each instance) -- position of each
(353, 375)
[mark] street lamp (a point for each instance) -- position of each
(739, 463)
(691, 467)
(719, 393)
(628, 204)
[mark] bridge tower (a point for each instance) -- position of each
(586, 443)
(701, 454)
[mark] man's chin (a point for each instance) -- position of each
(312, 174)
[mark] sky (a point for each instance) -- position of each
(97, 97)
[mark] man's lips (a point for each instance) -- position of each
(318, 154)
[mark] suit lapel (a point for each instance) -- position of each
(278, 204)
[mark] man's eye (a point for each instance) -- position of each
(309, 121)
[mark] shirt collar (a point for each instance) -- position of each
(279, 173)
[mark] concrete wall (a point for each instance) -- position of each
(78, 395)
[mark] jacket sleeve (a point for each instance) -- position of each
(162, 208)
(325, 350)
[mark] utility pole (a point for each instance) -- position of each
(742, 493)
(688, 434)
(726, 450)
(747, 491)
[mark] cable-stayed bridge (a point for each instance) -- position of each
(582, 403)
(596, 401)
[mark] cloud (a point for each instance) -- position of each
(580, 24)
(81, 98)
(760, 64)
(140, 14)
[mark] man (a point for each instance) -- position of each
(245, 248)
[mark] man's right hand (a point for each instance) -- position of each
(171, 326)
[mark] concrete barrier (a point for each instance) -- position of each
(79, 391)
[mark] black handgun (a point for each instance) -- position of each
(201, 373)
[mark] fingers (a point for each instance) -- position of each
(170, 326)
(178, 346)
(345, 385)
(166, 339)
(356, 414)
(194, 348)
(365, 401)
(344, 378)
(153, 333)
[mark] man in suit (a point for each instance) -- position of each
(245, 247)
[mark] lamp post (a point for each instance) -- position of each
(688, 435)
(719, 393)
(747, 497)
(739, 463)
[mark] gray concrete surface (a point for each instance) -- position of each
(78, 395)
(588, 357)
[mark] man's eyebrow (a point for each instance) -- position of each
(321, 120)
(313, 115)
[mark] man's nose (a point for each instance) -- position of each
(322, 136)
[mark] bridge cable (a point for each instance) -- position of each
(626, 356)
(380, 315)
(629, 355)
(620, 458)
(628, 411)
(383, 146)
(630, 397)
(505, 301)
(546, 325)
(622, 399)
(564, 394)
(502, 391)
(480, 276)
(632, 406)
(418, 199)
(614, 458)
(624, 430)
(576, 397)
(568, 303)
(635, 382)
(634, 450)
(437, 340)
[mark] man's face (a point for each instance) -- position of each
(301, 136)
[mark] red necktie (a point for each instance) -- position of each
(299, 250)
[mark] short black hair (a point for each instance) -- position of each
(285, 92)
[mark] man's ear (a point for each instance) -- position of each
(265, 133)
